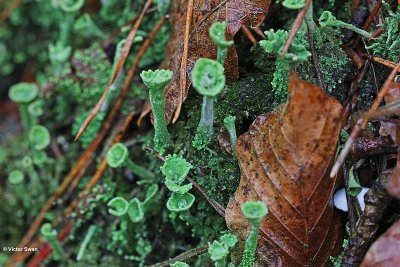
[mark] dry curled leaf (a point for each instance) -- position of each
(284, 160)
(394, 184)
(385, 251)
(393, 93)
(235, 12)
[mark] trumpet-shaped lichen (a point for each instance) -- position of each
(135, 210)
(118, 206)
(254, 213)
(327, 19)
(39, 137)
(229, 122)
(176, 169)
(156, 82)
(219, 250)
(294, 4)
(50, 235)
(117, 156)
(23, 94)
(180, 202)
(208, 79)
(217, 35)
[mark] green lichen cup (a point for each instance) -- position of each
(39, 137)
(23, 94)
(118, 206)
(208, 77)
(180, 202)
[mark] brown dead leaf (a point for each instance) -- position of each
(385, 251)
(394, 184)
(284, 160)
(235, 12)
(393, 93)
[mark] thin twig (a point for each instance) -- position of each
(372, 65)
(378, 32)
(315, 58)
(383, 91)
(248, 34)
(182, 77)
(120, 64)
(295, 27)
(117, 31)
(182, 257)
(361, 123)
(372, 15)
(259, 32)
(75, 182)
(353, 94)
(384, 62)
(6, 12)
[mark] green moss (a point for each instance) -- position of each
(179, 264)
(242, 99)
(78, 90)
(387, 44)
(92, 69)
(296, 53)
(91, 131)
(135, 210)
(335, 66)
(280, 82)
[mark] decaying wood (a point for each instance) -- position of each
(284, 160)
(361, 123)
(365, 147)
(376, 200)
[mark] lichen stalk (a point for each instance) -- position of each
(254, 211)
(162, 138)
(25, 118)
(138, 170)
(156, 82)
(207, 116)
(250, 246)
(230, 126)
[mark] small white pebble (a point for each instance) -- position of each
(340, 201)
(360, 197)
